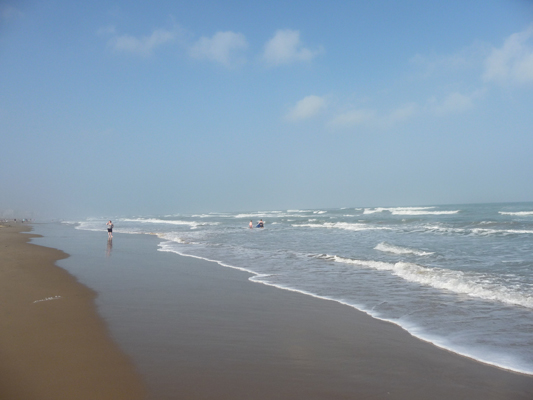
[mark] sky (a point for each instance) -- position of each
(115, 108)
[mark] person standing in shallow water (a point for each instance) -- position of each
(109, 230)
(251, 224)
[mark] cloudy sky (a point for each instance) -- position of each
(135, 107)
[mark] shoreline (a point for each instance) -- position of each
(196, 330)
(53, 344)
(255, 279)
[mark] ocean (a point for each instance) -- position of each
(458, 276)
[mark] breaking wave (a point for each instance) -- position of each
(518, 213)
(192, 224)
(484, 286)
(344, 225)
(475, 231)
(408, 211)
(389, 248)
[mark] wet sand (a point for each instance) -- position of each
(53, 344)
(197, 330)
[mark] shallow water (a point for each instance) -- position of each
(460, 276)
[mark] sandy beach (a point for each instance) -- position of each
(196, 330)
(53, 345)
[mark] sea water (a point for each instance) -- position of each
(459, 276)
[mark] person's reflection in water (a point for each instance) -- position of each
(109, 247)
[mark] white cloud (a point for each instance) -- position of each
(143, 46)
(513, 61)
(353, 118)
(285, 48)
(469, 58)
(402, 113)
(307, 108)
(510, 63)
(374, 119)
(454, 103)
(223, 47)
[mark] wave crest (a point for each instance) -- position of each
(192, 224)
(517, 213)
(409, 211)
(390, 248)
(483, 286)
(343, 225)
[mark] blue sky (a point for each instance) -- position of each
(129, 107)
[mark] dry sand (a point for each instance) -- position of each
(54, 347)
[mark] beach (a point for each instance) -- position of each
(53, 345)
(192, 329)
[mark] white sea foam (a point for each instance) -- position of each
(484, 286)
(192, 224)
(394, 209)
(92, 225)
(389, 248)
(476, 239)
(160, 221)
(507, 362)
(167, 246)
(476, 231)
(343, 225)
(518, 213)
(263, 215)
(70, 222)
(420, 212)
(175, 237)
(354, 226)
(485, 232)
(409, 211)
